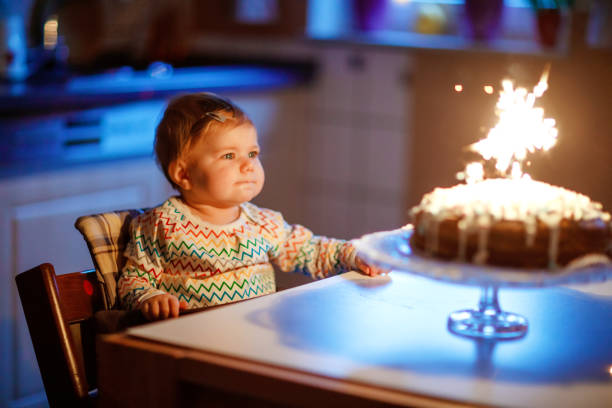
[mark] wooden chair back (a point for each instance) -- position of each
(59, 311)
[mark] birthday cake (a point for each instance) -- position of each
(508, 222)
(513, 220)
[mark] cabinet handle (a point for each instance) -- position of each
(82, 122)
(83, 141)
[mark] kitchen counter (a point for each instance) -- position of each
(159, 81)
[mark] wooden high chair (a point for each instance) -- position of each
(65, 312)
(59, 311)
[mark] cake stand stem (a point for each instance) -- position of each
(489, 304)
(489, 321)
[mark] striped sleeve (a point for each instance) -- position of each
(140, 275)
(302, 251)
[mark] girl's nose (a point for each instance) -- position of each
(247, 164)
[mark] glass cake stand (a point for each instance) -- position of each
(390, 250)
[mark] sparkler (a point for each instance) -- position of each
(521, 129)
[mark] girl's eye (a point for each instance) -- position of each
(228, 156)
(253, 154)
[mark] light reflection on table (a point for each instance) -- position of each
(568, 340)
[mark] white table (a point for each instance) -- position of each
(388, 334)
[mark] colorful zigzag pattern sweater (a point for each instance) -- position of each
(173, 251)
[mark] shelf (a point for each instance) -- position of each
(445, 43)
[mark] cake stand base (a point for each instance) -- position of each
(488, 321)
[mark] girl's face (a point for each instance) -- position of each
(223, 168)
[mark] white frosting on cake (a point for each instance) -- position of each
(480, 204)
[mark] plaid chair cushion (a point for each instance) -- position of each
(106, 235)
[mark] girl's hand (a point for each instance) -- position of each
(160, 307)
(369, 269)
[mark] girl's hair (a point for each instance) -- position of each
(188, 118)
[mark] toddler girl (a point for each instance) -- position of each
(209, 245)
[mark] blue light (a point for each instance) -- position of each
(327, 18)
(179, 79)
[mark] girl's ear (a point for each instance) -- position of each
(179, 174)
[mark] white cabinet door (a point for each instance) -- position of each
(44, 231)
(39, 213)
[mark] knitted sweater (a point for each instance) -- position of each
(173, 251)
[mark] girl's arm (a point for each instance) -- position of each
(300, 250)
(139, 277)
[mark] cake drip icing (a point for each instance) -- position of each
(479, 205)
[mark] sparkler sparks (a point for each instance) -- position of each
(521, 129)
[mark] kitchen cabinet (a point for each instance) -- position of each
(37, 225)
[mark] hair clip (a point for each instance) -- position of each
(216, 116)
